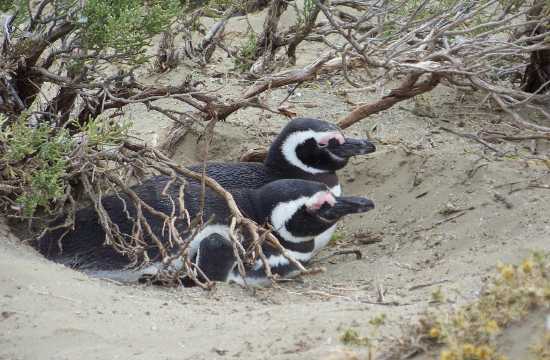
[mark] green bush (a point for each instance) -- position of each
(38, 158)
(118, 29)
(125, 26)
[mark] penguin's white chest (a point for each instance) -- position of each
(322, 239)
(336, 190)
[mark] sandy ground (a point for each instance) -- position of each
(447, 211)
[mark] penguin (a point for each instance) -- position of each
(297, 210)
(306, 148)
(297, 218)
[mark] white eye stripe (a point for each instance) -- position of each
(282, 213)
(295, 139)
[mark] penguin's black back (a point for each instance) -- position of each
(84, 247)
(238, 175)
(254, 175)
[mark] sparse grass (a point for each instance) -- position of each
(438, 297)
(246, 53)
(303, 16)
(336, 238)
(352, 337)
(378, 321)
(471, 332)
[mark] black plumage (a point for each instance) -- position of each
(84, 249)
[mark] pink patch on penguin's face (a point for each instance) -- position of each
(325, 139)
(323, 198)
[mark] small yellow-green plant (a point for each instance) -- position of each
(336, 237)
(378, 321)
(438, 296)
(471, 332)
(352, 337)
(541, 350)
(304, 16)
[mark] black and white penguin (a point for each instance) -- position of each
(298, 216)
(306, 148)
(298, 210)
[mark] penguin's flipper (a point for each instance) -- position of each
(215, 257)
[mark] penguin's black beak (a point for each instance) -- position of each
(345, 205)
(352, 147)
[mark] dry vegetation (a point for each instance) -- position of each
(474, 332)
(65, 82)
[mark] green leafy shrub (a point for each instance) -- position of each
(125, 26)
(37, 157)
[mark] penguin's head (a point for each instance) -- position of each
(299, 209)
(314, 146)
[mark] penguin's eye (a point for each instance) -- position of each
(332, 139)
(326, 205)
(315, 210)
(320, 201)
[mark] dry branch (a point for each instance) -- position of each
(269, 40)
(134, 154)
(301, 34)
(468, 46)
(500, 51)
(214, 108)
(288, 77)
(408, 89)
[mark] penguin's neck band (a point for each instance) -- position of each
(304, 247)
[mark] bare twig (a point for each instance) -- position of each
(409, 88)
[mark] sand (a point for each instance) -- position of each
(447, 211)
